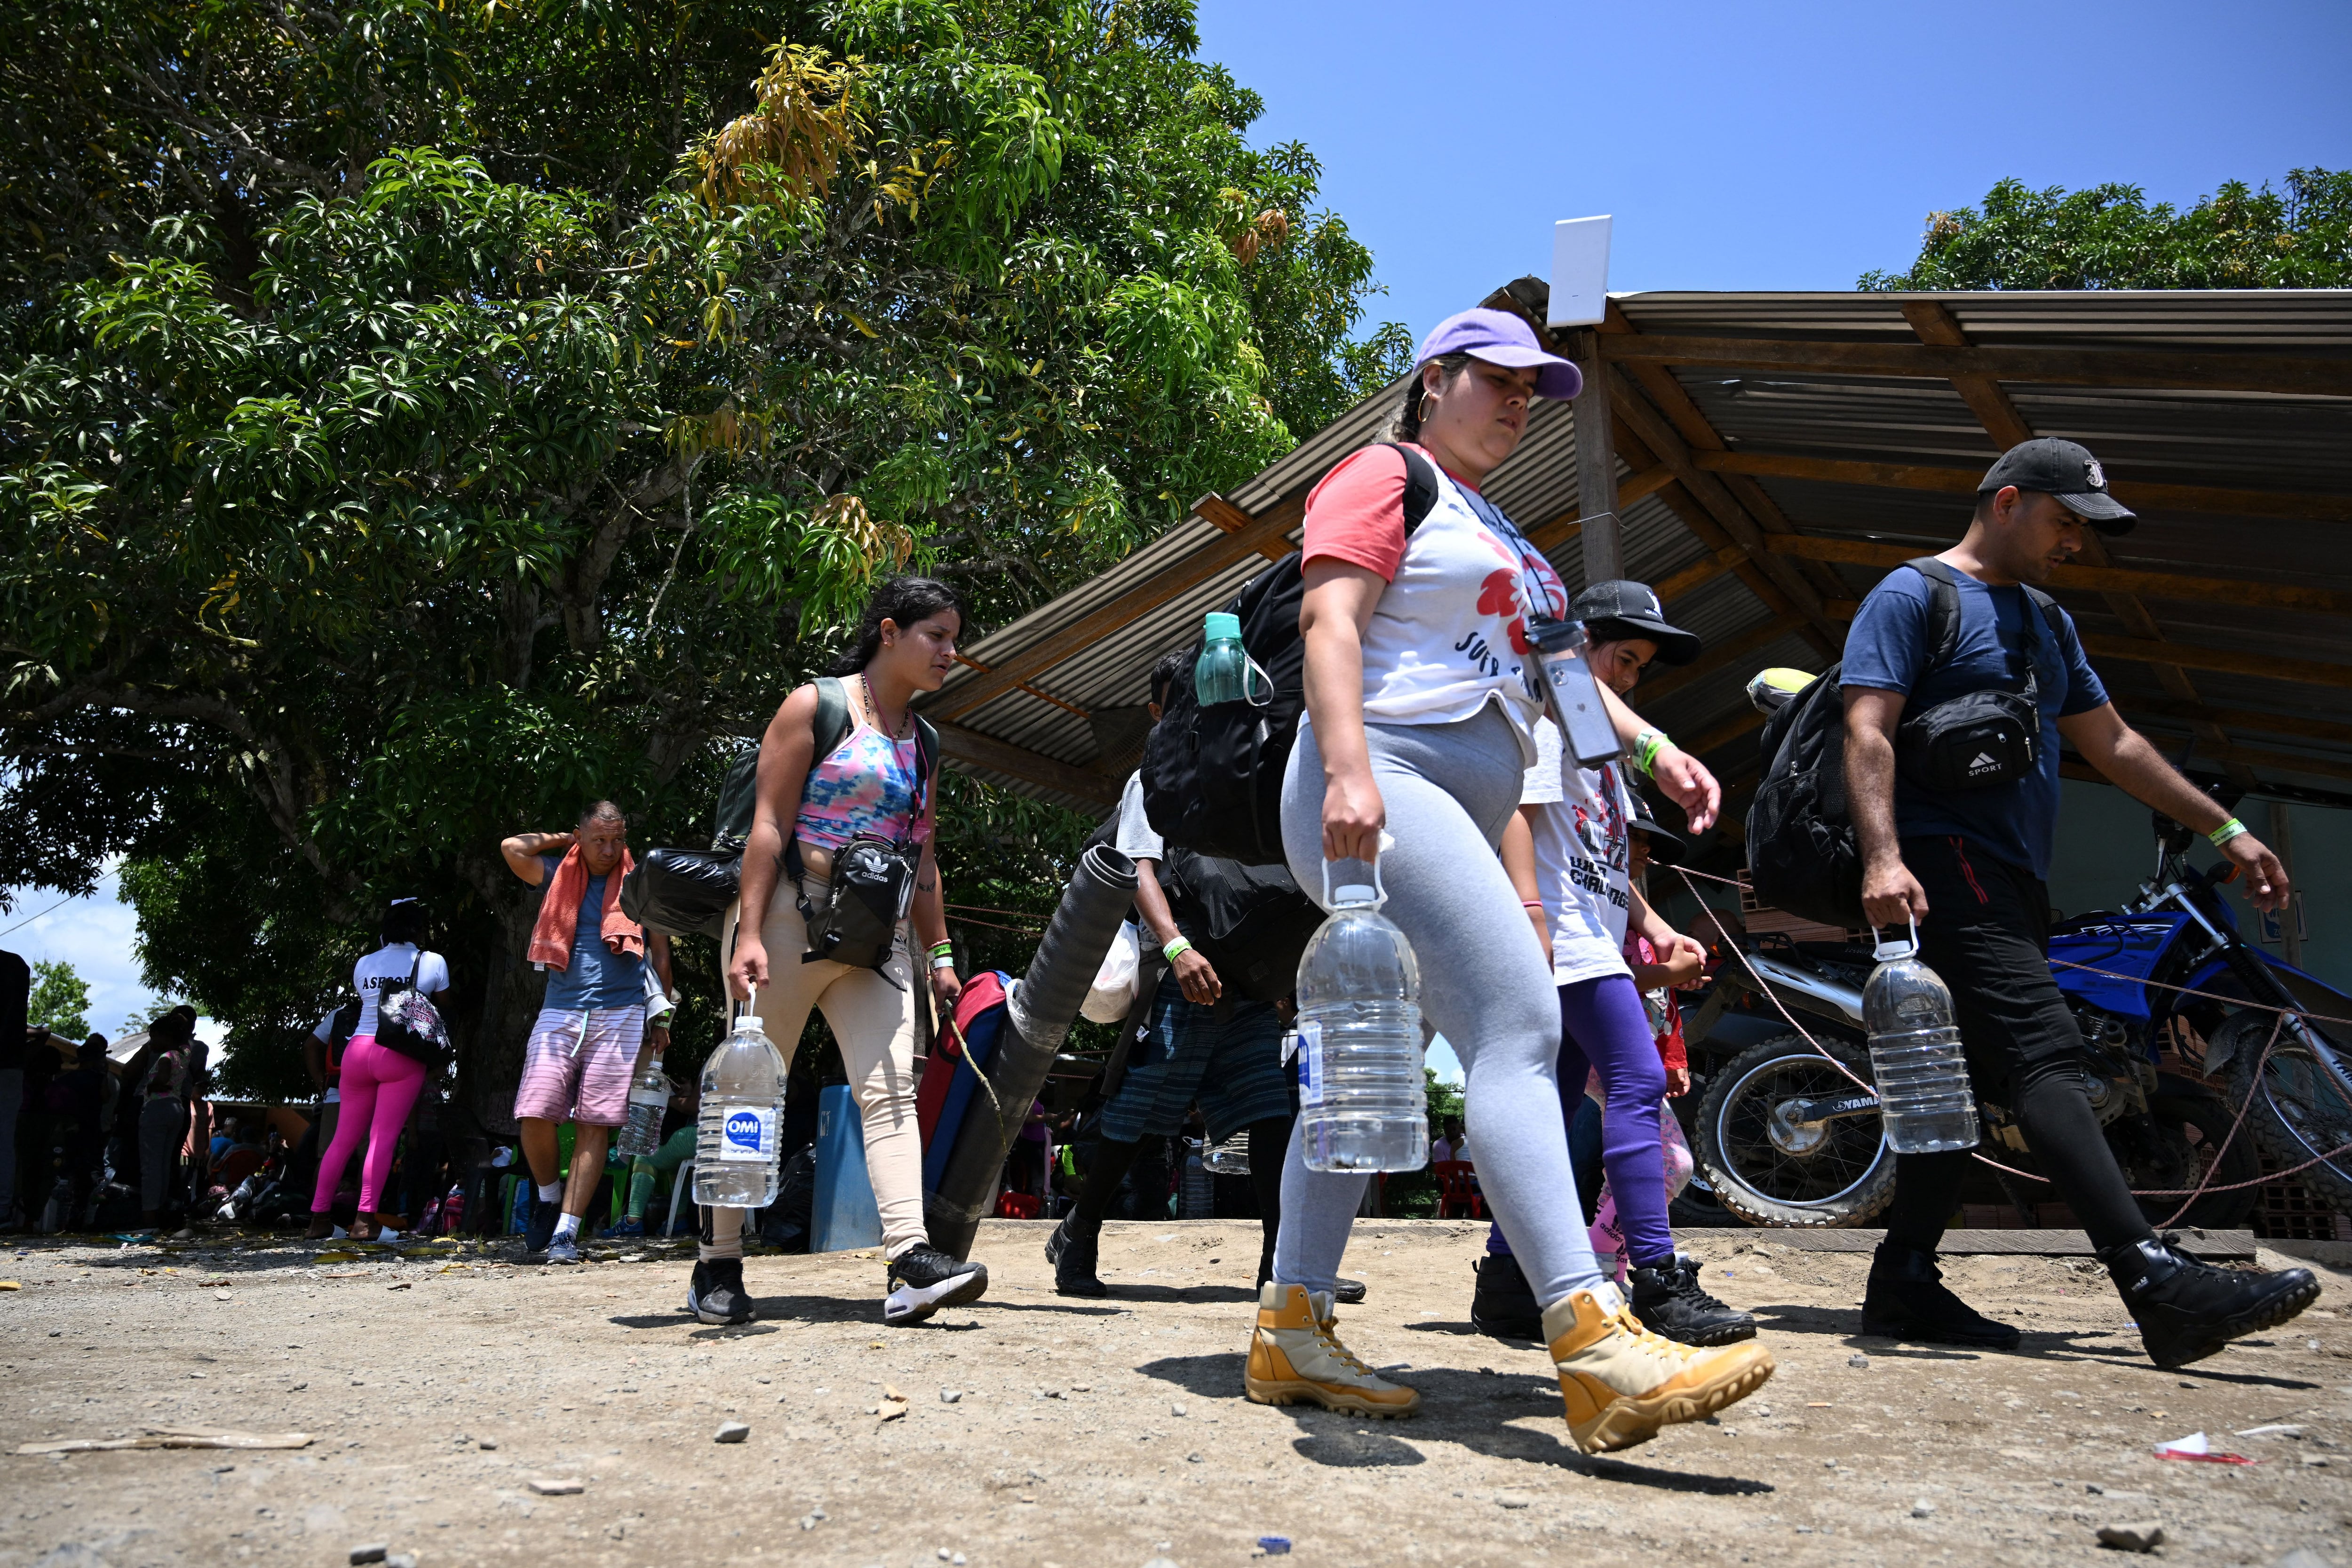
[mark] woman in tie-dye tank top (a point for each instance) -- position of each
(869, 781)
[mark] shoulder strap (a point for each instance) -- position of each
(927, 751)
(831, 721)
(1943, 608)
(1420, 486)
(2052, 616)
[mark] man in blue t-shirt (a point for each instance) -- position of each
(1968, 866)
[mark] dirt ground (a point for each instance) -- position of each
(440, 1383)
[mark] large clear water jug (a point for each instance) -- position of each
(1361, 1100)
(1224, 672)
(648, 1104)
(1924, 1094)
(735, 1163)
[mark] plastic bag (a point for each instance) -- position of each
(1113, 991)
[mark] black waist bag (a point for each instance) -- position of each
(872, 888)
(1980, 739)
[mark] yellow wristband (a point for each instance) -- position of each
(2230, 830)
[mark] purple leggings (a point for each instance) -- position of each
(1605, 1027)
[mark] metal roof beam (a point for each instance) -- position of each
(974, 750)
(2194, 589)
(1935, 477)
(2180, 369)
(1272, 525)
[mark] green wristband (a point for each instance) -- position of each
(1646, 747)
(2227, 831)
(1173, 951)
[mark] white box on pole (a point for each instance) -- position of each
(1580, 271)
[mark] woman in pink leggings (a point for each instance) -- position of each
(379, 1086)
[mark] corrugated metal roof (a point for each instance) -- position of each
(2242, 440)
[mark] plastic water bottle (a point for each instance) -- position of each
(1361, 1100)
(1229, 1158)
(649, 1103)
(1924, 1094)
(735, 1163)
(1224, 672)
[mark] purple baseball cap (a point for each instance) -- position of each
(1498, 337)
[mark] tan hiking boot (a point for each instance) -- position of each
(1295, 1355)
(1622, 1383)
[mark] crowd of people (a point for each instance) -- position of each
(1516, 872)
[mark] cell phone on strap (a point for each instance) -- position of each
(1572, 693)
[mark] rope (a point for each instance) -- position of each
(2278, 1022)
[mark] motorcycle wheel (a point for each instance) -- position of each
(1846, 1179)
(2296, 1111)
(2191, 1122)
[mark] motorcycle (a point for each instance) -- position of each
(1783, 1138)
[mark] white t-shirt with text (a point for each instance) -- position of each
(1581, 834)
(394, 962)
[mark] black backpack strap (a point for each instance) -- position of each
(927, 751)
(1943, 609)
(2052, 616)
(831, 723)
(1420, 486)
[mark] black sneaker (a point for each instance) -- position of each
(1503, 1307)
(923, 1280)
(2188, 1310)
(1073, 1253)
(1672, 1304)
(1905, 1300)
(541, 1228)
(716, 1294)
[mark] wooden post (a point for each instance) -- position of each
(1596, 469)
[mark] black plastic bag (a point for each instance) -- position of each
(682, 892)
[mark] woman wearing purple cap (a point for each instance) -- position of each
(1422, 699)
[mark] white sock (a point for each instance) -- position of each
(550, 1191)
(567, 1226)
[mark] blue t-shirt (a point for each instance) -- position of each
(598, 977)
(1887, 650)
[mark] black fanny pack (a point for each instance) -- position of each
(872, 888)
(1980, 739)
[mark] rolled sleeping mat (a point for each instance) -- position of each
(1038, 1015)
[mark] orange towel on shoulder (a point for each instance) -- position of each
(559, 913)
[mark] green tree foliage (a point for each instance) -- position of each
(60, 1001)
(2110, 237)
(422, 418)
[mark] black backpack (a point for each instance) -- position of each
(1252, 922)
(1212, 776)
(1801, 854)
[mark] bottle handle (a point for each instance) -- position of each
(1380, 890)
(1263, 693)
(1885, 951)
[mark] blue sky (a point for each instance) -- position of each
(1747, 146)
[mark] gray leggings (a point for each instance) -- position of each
(1450, 789)
(162, 1124)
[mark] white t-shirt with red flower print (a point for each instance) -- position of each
(1449, 635)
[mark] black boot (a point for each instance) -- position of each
(1905, 1300)
(2188, 1310)
(1504, 1305)
(1072, 1249)
(1669, 1302)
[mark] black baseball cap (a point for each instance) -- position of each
(1627, 609)
(2063, 470)
(1665, 845)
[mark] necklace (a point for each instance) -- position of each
(905, 715)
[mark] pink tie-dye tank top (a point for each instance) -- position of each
(867, 784)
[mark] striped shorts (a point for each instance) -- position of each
(1228, 1057)
(576, 1065)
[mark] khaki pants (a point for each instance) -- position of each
(874, 1021)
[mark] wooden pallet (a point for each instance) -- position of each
(2219, 1246)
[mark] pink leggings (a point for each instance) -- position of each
(379, 1088)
